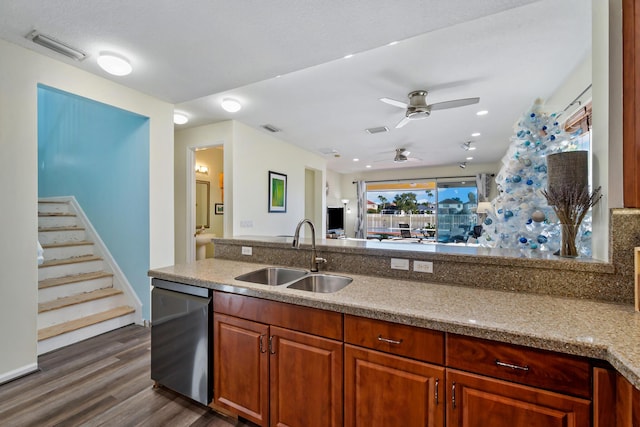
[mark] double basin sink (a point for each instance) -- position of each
(296, 279)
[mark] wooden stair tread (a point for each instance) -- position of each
(77, 299)
(66, 228)
(74, 260)
(57, 281)
(66, 244)
(48, 214)
(76, 324)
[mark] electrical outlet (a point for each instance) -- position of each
(247, 250)
(399, 264)
(423, 266)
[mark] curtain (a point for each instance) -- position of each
(483, 183)
(361, 212)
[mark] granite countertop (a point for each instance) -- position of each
(599, 330)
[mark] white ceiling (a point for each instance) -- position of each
(195, 52)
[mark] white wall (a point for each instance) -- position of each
(255, 153)
(187, 140)
(21, 71)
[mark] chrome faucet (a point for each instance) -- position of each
(315, 260)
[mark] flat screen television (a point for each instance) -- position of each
(335, 219)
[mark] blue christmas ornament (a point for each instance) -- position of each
(488, 221)
(529, 181)
(508, 214)
(529, 221)
(500, 211)
(542, 239)
(544, 127)
(523, 240)
(516, 178)
(533, 245)
(542, 168)
(552, 138)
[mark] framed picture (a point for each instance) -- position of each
(277, 192)
(219, 209)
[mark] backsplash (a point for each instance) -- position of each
(507, 270)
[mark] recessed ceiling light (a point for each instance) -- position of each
(356, 160)
(368, 166)
(180, 119)
(393, 43)
(348, 56)
(475, 134)
(114, 64)
(469, 158)
(231, 105)
(482, 113)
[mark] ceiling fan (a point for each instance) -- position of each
(417, 108)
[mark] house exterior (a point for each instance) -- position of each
(450, 206)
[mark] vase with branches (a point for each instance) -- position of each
(571, 204)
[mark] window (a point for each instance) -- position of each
(432, 210)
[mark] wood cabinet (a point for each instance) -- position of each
(616, 401)
(508, 385)
(480, 401)
(384, 384)
(383, 390)
(275, 375)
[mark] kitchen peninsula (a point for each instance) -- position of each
(529, 344)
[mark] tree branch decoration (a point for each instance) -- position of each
(570, 205)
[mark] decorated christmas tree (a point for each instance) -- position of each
(520, 216)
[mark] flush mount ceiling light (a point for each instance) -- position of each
(230, 105)
(482, 113)
(56, 46)
(180, 119)
(114, 64)
(475, 134)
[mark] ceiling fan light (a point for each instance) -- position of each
(114, 64)
(230, 105)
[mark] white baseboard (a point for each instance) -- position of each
(17, 373)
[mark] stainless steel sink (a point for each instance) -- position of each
(322, 283)
(273, 276)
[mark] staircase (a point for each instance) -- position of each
(77, 298)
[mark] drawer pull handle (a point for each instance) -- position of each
(272, 350)
(389, 341)
(512, 366)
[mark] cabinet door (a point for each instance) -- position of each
(383, 390)
(241, 367)
(477, 401)
(306, 380)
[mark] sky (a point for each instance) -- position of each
(421, 196)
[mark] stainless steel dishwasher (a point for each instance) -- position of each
(181, 339)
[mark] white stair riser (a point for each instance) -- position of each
(59, 341)
(64, 252)
(57, 221)
(68, 289)
(76, 311)
(61, 236)
(69, 269)
(53, 207)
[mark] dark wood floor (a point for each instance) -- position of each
(103, 381)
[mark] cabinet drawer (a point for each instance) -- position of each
(296, 317)
(538, 368)
(403, 340)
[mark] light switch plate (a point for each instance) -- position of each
(399, 264)
(423, 266)
(247, 250)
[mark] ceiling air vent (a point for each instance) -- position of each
(271, 128)
(380, 129)
(56, 46)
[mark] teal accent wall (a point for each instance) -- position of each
(100, 155)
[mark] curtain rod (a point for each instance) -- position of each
(577, 98)
(422, 179)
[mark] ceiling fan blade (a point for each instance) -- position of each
(454, 103)
(402, 122)
(394, 102)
